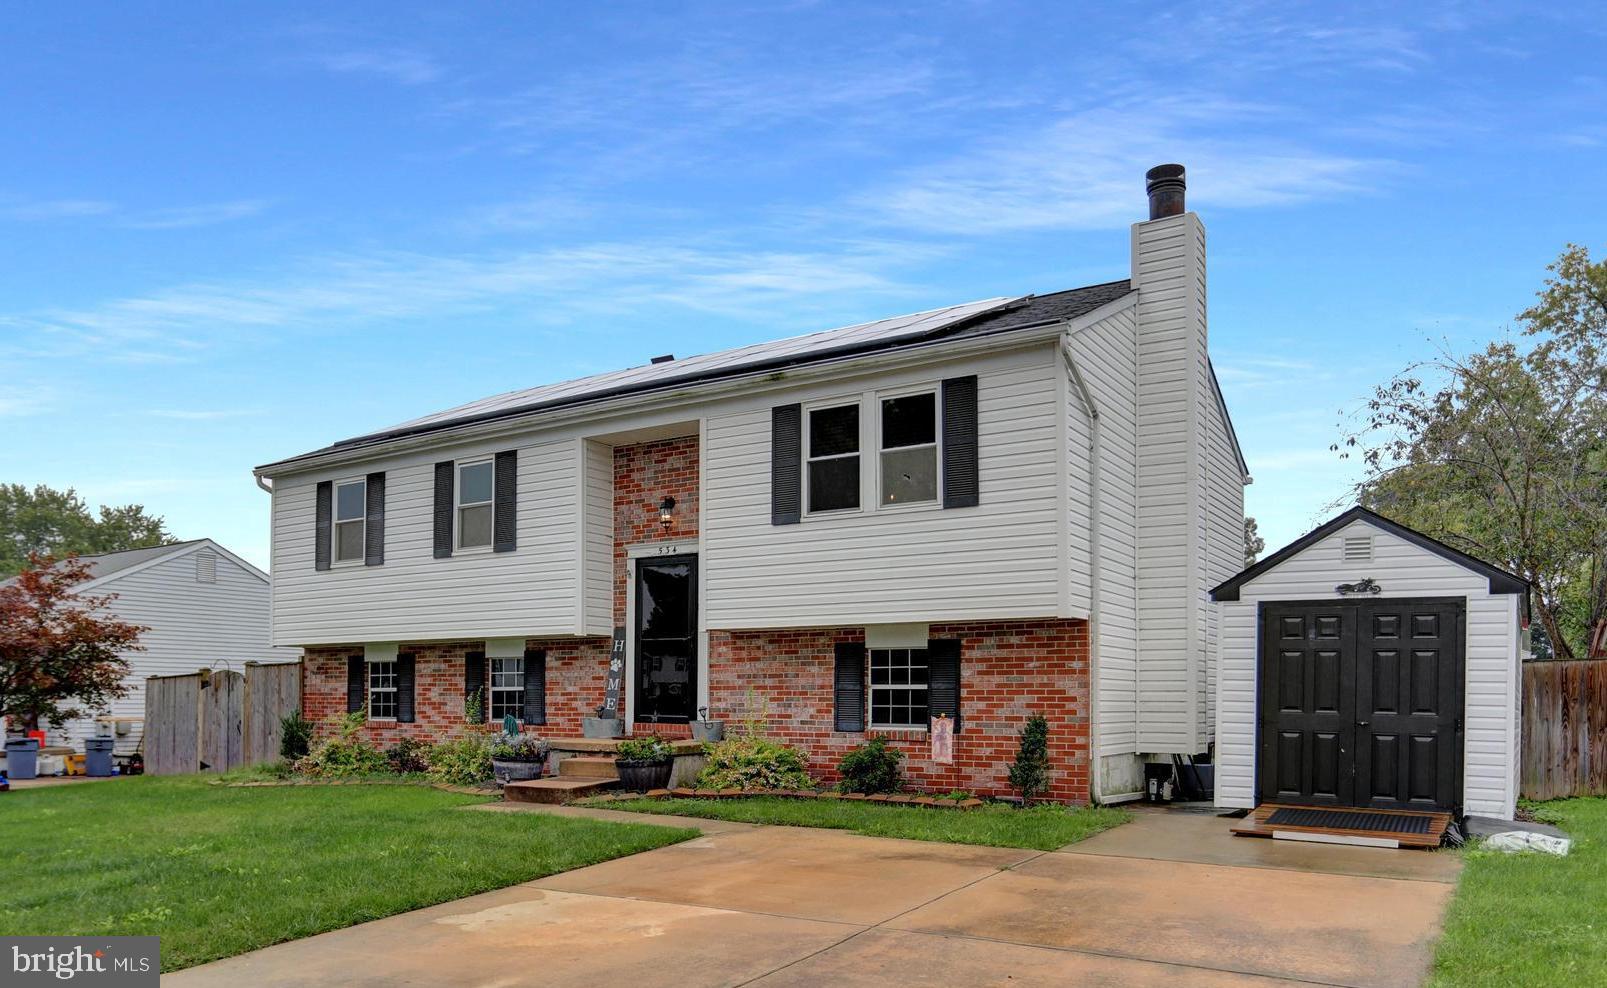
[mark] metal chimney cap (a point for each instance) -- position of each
(1165, 185)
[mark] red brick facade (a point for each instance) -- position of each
(644, 474)
(1009, 669)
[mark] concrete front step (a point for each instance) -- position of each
(588, 767)
(555, 790)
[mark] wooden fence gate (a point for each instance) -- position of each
(1564, 729)
(215, 720)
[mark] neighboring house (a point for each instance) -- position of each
(204, 607)
(990, 510)
(1366, 664)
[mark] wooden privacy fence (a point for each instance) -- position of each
(1565, 729)
(215, 720)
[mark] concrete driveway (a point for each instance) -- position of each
(1170, 899)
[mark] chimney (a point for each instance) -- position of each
(1165, 185)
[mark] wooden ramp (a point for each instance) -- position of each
(1346, 825)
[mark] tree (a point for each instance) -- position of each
(1254, 544)
(59, 650)
(1503, 452)
(59, 523)
(1029, 776)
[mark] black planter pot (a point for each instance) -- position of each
(639, 775)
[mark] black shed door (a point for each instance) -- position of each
(1361, 703)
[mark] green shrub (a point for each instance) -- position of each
(871, 768)
(649, 749)
(461, 762)
(752, 761)
(408, 756)
(1029, 776)
(295, 736)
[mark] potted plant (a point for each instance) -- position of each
(644, 763)
(704, 729)
(517, 757)
(607, 724)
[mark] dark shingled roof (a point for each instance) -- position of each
(976, 319)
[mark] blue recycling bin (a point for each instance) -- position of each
(98, 757)
(22, 758)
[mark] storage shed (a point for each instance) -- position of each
(1368, 665)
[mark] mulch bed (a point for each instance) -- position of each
(898, 799)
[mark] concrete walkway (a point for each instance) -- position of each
(1170, 899)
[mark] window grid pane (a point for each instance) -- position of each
(834, 431)
(909, 421)
(382, 690)
(898, 687)
(349, 540)
(474, 484)
(350, 500)
(474, 526)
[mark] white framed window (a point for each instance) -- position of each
(476, 482)
(908, 460)
(832, 458)
(382, 690)
(507, 689)
(898, 687)
(351, 520)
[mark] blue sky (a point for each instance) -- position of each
(233, 234)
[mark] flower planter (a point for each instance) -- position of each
(708, 730)
(640, 775)
(506, 770)
(601, 727)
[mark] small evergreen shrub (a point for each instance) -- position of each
(751, 761)
(295, 736)
(408, 756)
(649, 749)
(461, 762)
(871, 768)
(1029, 776)
(345, 755)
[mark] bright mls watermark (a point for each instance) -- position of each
(96, 962)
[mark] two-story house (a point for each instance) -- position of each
(990, 510)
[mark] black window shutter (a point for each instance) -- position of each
(535, 686)
(943, 679)
(404, 688)
(960, 486)
(848, 691)
(786, 464)
(443, 508)
(505, 511)
(374, 530)
(324, 521)
(474, 683)
(356, 683)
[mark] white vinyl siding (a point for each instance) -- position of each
(881, 565)
(1169, 266)
(192, 624)
(1490, 731)
(1224, 556)
(416, 596)
(1105, 355)
(597, 574)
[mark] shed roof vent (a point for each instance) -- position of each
(1358, 549)
(206, 567)
(664, 358)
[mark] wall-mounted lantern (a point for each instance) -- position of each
(666, 512)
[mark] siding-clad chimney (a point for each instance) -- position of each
(1173, 422)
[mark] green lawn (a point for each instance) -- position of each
(216, 871)
(1041, 827)
(1532, 919)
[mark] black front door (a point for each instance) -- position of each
(1360, 703)
(666, 639)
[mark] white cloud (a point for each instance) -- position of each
(1083, 171)
(205, 214)
(557, 285)
(56, 209)
(402, 65)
